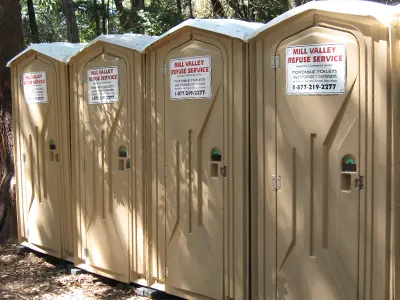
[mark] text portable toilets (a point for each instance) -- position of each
(197, 99)
(107, 78)
(41, 142)
(320, 84)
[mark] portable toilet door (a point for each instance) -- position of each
(323, 134)
(107, 139)
(198, 106)
(41, 131)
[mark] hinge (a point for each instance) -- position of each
(21, 81)
(360, 182)
(275, 62)
(84, 166)
(165, 171)
(166, 271)
(164, 69)
(86, 252)
(276, 183)
(24, 157)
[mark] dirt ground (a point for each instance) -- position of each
(35, 276)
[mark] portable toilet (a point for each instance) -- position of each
(321, 215)
(42, 154)
(107, 125)
(198, 121)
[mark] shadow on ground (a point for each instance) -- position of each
(35, 276)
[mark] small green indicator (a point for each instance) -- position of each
(349, 164)
(52, 145)
(216, 155)
(122, 152)
(217, 152)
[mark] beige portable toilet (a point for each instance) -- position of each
(198, 106)
(107, 124)
(321, 214)
(42, 153)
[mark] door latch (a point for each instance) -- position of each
(275, 296)
(359, 182)
(223, 171)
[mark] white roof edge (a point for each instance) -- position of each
(229, 27)
(59, 51)
(128, 40)
(381, 12)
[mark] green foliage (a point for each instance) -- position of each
(158, 18)
(85, 16)
(265, 11)
(50, 21)
(155, 18)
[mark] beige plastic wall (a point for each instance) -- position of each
(395, 122)
(43, 176)
(198, 225)
(310, 239)
(110, 206)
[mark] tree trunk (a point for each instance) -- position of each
(218, 9)
(108, 16)
(190, 9)
(104, 16)
(32, 22)
(139, 4)
(12, 42)
(119, 6)
(72, 26)
(179, 6)
(124, 19)
(96, 17)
